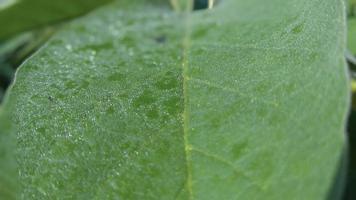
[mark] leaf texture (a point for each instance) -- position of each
(244, 101)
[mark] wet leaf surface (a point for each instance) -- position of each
(135, 101)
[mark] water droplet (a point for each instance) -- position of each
(131, 52)
(126, 155)
(69, 47)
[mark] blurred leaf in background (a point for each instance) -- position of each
(352, 26)
(352, 34)
(17, 16)
(15, 50)
(350, 190)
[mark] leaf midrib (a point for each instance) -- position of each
(186, 111)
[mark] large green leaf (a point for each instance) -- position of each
(8, 167)
(244, 101)
(21, 15)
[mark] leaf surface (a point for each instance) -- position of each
(134, 101)
(8, 166)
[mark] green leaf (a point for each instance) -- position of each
(352, 35)
(244, 101)
(8, 166)
(22, 15)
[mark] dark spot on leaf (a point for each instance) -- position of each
(80, 28)
(110, 110)
(56, 42)
(41, 130)
(172, 105)
(50, 98)
(116, 77)
(263, 86)
(265, 158)
(215, 122)
(78, 85)
(237, 149)
(60, 96)
(154, 171)
(123, 95)
(314, 56)
(200, 32)
(83, 85)
(168, 81)
(153, 114)
(263, 111)
(33, 67)
(70, 84)
(128, 41)
(161, 39)
(98, 47)
(145, 98)
(298, 28)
